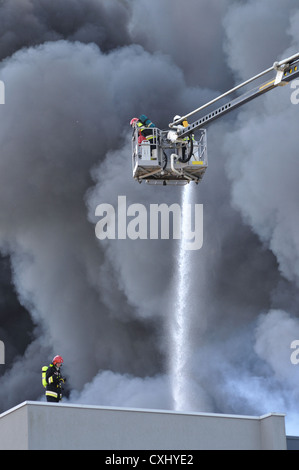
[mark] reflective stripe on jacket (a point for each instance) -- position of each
(145, 131)
(54, 380)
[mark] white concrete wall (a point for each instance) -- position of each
(38, 425)
(14, 429)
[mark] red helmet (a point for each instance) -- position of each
(57, 359)
(133, 121)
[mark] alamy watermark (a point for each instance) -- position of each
(2, 353)
(295, 354)
(2, 92)
(136, 221)
(295, 93)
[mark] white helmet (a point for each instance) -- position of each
(176, 118)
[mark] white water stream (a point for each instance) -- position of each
(179, 318)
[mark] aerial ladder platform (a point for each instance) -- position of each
(179, 155)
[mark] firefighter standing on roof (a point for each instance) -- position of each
(54, 380)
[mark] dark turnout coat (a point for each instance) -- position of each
(54, 381)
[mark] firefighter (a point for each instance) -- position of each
(145, 128)
(136, 123)
(54, 380)
(173, 136)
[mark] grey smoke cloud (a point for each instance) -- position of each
(251, 41)
(182, 31)
(65, 147)
(25, 23)
(261, 166)
(113, 389)
(54, 150)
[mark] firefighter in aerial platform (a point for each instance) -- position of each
(145, 128)
(53, 380)
(174, 136)
(180, 126)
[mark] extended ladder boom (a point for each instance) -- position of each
(286, 71)
(179, 155)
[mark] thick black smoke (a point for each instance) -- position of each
(26, 23)
(75, 73)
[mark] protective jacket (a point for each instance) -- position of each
(145, 127)
(144, 131)
(54, 381)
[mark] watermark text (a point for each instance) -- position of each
(295, 93)
(295, 354)
(2, 353)
(2, 92)
(135, 222)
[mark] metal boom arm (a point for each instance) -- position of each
(286, 71)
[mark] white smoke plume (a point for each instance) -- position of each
(75, 74)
